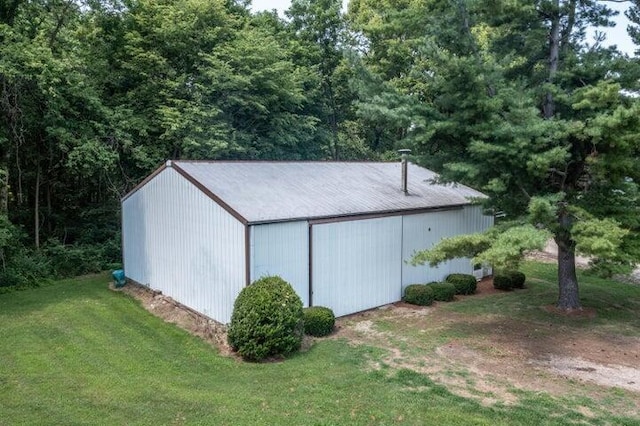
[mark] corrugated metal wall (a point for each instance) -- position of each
(282, 249)
(476, 221)
(356, 265)
(422, 231)
(179, 241)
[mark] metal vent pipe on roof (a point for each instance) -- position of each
(404, 154)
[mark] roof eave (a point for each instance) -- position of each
(146, 180)
(360, 216)
(194, 181)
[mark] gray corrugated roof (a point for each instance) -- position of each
(283, 191)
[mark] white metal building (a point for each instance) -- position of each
(340, 233)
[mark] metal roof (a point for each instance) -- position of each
(263, 192)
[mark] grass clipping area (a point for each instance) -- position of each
(76, 353)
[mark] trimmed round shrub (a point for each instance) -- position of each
(418, 294)
(464, 283)
(502, 281)
(442, 292)
(318, 321)
(266, 320)
(509, 280)
(518, 279)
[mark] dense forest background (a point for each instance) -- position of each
(96, 94)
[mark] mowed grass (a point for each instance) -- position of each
(77, 353)
(617, 304)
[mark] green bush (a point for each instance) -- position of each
(518, 279)
(509, 280)
(464, 283)
(442, 292)
(266, 320)
(318, 321)
(418, 294)
(502, 281)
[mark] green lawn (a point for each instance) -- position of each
(617, 304)
(77, 353)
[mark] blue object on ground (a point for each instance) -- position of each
(119, 279)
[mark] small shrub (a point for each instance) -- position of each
(266, 320)
(442, 292)
(464, 283)
(509, 280)
(418, 294)
(518, 279)
(502, 281)
(318, 321)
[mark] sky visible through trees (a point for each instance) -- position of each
(616, 35)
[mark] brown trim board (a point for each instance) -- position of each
(209, 194)
(384, 214)
(310, 241)
(145, 181)
(124, 266)
(247, 254)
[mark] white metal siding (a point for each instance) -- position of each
(179, 241)
(478, 222)
(423, 231)
(134, 247)
(282, 249)
(356, 265)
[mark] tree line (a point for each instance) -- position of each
(510, 97)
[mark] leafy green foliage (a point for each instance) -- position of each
(22, 267)
(518, 279)
(442, 291)
(450, 248)
(419, 294)
(508, 248)
(501, 247)
(621, 202)
(508, 280)
(94, 96)
(79, 259)
(598, 237)
(267, 320)
(318, 321)
(502, 281)
(505, 98)
(543, 211)
(464, 283)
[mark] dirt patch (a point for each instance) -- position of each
(485, 288)
(497, 356)
(589, 313)
(606, 375)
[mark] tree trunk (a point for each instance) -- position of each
(5, 105)
(333, 121)
(568, 295)
(4, 190)
(36, 210)
(548, 107)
